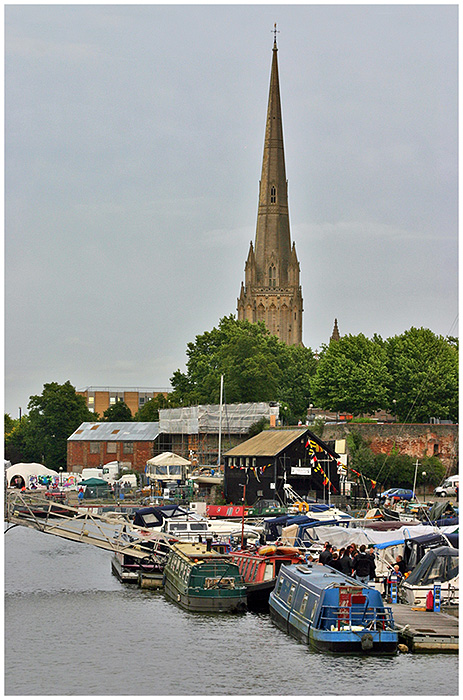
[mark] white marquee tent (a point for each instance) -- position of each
(25, 470)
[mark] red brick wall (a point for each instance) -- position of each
(79, 455)
(413, 439)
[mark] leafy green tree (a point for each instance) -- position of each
(53, 417)
(150, 410)
(258, 427)
(19, 443)
(352, 375)
(119, 412)
(423, 376)
(256, 366)
(435, 471)
(295, 387)
(9, 423)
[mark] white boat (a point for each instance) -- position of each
(438, 567)
(195, 527)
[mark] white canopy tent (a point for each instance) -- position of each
(24, 471)
(167, 459)
(167, 465)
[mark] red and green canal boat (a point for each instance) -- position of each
(260, 569)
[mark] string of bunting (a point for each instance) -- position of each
(373, 483)
(326, 481)
(257, 471)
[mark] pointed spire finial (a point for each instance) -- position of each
(275, 32)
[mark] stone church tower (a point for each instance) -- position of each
(271, 291)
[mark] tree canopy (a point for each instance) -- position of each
(53, 417)
(150, 410)
(118, 412)
(423, 376)
(352, 375)
(413, 376)
(256, 366)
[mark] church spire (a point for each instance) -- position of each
(271, 291)
(272, 231)
(335, 334)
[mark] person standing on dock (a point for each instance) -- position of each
(346, 562)
(371, 554)
(362, 566)
(326, 556)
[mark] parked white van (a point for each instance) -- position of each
(448, 487)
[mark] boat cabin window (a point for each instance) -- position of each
(280, 584)
(304, 600)
(269, 571)
(437, 572)
(291, 593)
(178, 526)
(198, 527)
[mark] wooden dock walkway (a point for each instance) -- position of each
(424, 631)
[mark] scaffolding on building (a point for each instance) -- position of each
(193, 431)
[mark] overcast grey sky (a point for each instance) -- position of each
(134, 138)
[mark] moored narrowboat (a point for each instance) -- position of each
(202, 580)
(332, 612)
(260, 568)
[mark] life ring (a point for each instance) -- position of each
(287, 550)
(269, 549)
(147, 563)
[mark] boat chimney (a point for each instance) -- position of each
(208, 544)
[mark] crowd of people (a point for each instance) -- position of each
(360, 564)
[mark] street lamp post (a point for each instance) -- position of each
(424, 485)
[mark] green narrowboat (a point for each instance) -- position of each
(201, 580)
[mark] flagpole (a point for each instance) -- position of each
(329, 484)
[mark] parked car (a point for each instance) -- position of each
(402, 494)
(448, 487)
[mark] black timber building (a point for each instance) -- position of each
(273, 458)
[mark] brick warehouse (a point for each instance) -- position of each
(95, 444)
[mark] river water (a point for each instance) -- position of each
(72, 629)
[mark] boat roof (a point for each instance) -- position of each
(196, 550)
(421, 570)
(435, 537)
(289, 519)
(152, 516)
(319, 576)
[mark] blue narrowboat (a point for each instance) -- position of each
(331, 612)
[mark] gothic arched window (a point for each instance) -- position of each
(272, 276)
(273, 195)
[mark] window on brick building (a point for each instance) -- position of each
(128, 448)
(111, 447)
(273, 195)
(94, 448)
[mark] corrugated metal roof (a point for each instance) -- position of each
(116, 432)
(268, 443)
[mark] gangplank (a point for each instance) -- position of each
(103, 531)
